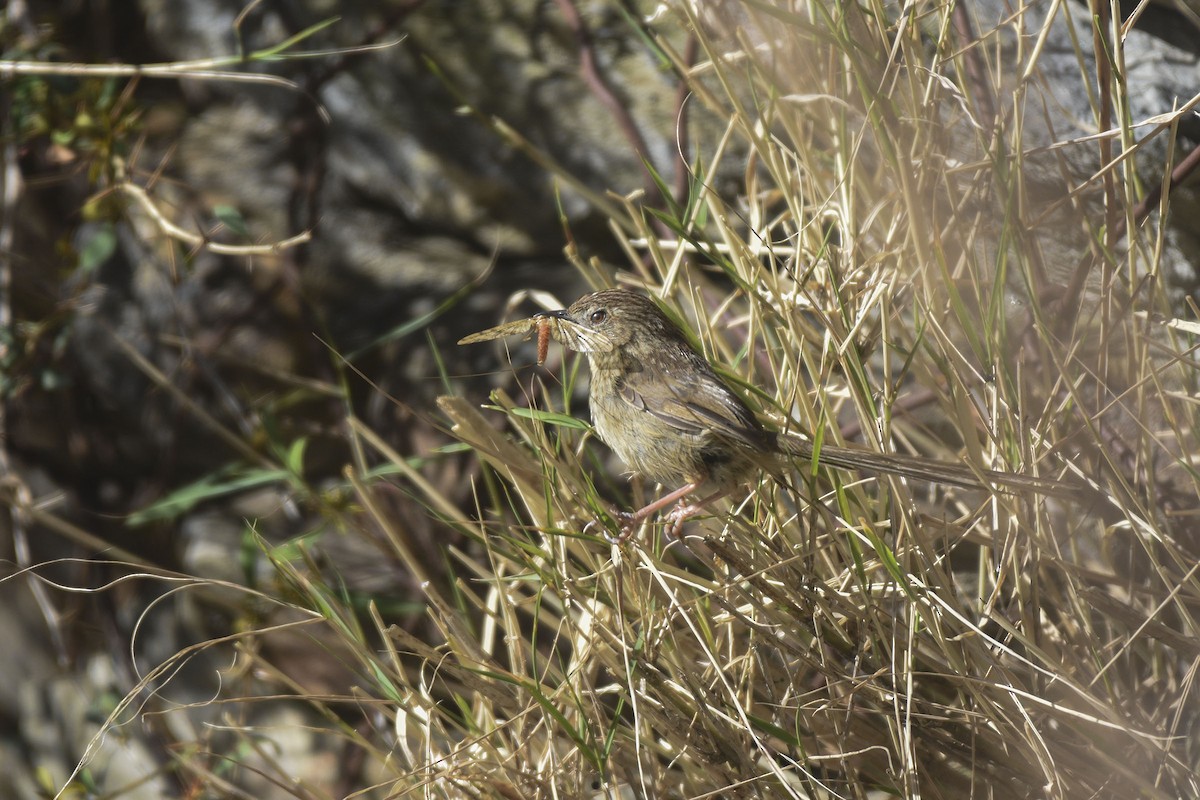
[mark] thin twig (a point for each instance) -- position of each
(1104, 71)
(1182, 171)
(605, 94)
(196, 240)
(182, 69)
(973, 63)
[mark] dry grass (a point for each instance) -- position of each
(893, 272)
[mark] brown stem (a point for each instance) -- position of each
(605, 94)
(1181, 172)
(973, 64)
(1100, 10)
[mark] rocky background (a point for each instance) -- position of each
(433, 148)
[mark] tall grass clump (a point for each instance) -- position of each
(905, 266)
(887, 247)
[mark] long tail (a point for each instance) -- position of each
(927, 469)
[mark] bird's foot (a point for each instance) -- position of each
(680, 514)
(627, 523)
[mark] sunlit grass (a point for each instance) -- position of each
(891, 273)
(885, 278)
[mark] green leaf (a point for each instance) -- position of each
(225, 481)
(270, 53)
(98, 248)
(295, 456)
(232, 219)
(547, 417)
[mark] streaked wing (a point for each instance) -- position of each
(722, 415)
(734, 421)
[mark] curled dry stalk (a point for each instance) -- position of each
(140, 196)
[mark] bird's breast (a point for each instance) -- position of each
(644, 442)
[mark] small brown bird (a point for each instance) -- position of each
(664, 411)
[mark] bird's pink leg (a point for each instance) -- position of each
(682, 512)
(630, 521)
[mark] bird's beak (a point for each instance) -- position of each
(571, 334)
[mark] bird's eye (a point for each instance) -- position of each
(598, 316)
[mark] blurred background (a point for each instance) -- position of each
(139, 362)
(222, 272)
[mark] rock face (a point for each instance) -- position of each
(1165, 68)
(408, 196)
(1040, 68)
(409, 191)
(413, 190)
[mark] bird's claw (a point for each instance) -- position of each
(627, 523)
(678, 515)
